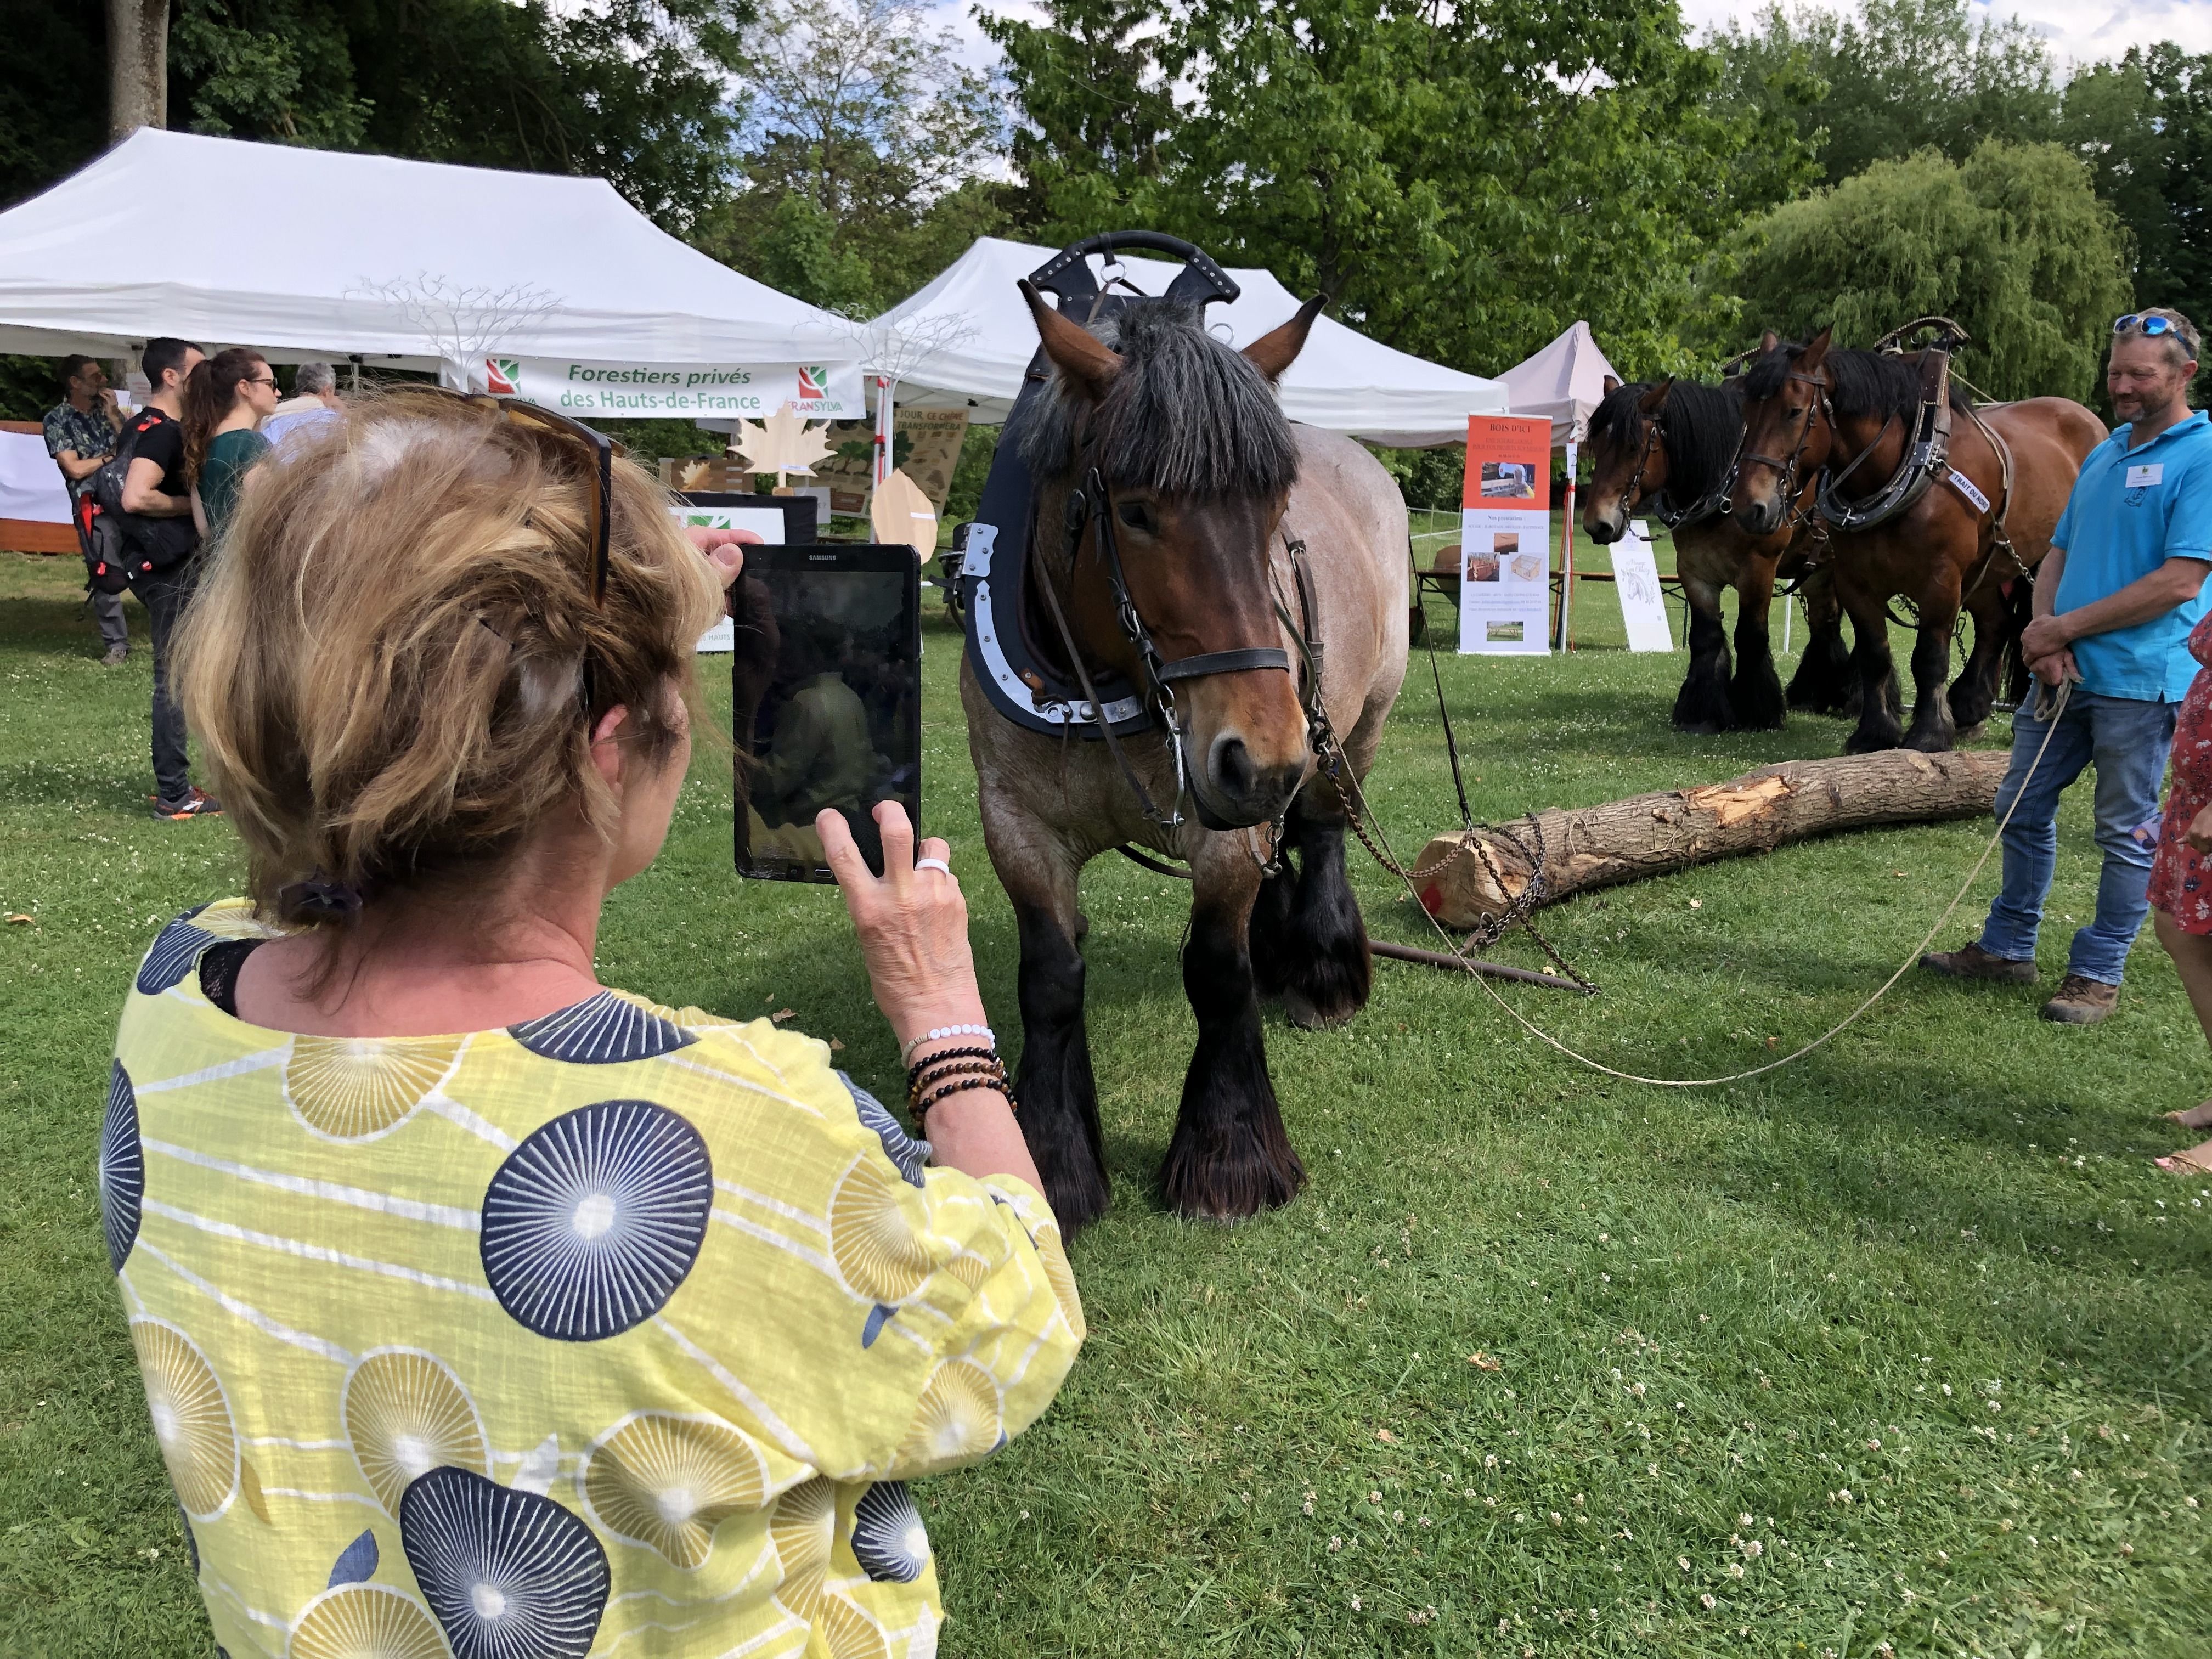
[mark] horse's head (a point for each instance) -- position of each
(1197, 461)
(1789, 430)
(1628, 457)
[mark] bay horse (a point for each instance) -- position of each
(1814, 406)
(1207, 489)
(1668, 448)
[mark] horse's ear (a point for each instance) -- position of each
(1611, 385)
(1279, 348)
(1083, 360)
(1656, 399)
(1815, 352)
(1768, 341)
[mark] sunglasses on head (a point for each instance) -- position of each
(2137, 323)
(601, 451)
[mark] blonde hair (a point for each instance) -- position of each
(385, 659)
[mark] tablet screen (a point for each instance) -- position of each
(825, 699)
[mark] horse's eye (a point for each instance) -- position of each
(1136, 515)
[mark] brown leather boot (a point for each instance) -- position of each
(2082, 1001)
(1971, 962)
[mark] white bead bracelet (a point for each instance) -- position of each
(939, 1033)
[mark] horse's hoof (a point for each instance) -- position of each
(1309, 1016)
(1969, 734)
(1700, 728)
(1232, 1184)
(1077, 1198)
(1869, 743)
(1929, 743)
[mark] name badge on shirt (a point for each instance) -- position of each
(2149, 473)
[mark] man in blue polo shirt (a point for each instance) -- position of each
(2115, 601)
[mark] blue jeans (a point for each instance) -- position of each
(2127, 740)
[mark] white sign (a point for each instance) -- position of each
(766, 522)
(1505, 582)
(1642, 600)
(652, 392)
(31, 484)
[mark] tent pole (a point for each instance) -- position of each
(1567, 552)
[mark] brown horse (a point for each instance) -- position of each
(1157, 449)
(1811, 407)
(1668, 448)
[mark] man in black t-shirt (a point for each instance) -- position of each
(162, 554)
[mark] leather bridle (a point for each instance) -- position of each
(1090, 504)
(1818, 406)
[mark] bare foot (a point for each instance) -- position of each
(2196, 1161)
(2196, 1117)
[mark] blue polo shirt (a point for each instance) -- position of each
(2131, 511)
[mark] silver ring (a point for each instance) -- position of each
(933, 864)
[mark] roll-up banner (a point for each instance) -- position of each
(657, 392)
(1505, 537)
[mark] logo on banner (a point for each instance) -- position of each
(502, 375)
(813, 384)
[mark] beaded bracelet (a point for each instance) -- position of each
(996, 1086)
(913, 1071)
(975, 1075)
(938, 1033)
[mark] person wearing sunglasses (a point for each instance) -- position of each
(226, 398)
(2117, 604)
(481, 1307)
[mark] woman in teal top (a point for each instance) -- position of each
(226, 398)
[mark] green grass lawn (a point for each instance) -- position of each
(1906, 1344)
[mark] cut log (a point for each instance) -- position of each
(1652, 835)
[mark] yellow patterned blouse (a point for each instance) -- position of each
(617, 1332)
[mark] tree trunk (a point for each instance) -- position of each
(137, 66)
(1651, 835)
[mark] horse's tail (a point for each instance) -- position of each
(2019, 609)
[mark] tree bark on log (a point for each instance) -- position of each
(1653, 834)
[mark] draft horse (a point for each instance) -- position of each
(1247, 578)
(1980, 523)
(1667, 449)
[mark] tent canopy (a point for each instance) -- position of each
(1565, 380)
(312, 253)
(1342, 380)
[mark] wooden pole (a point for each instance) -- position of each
(1567, 542)
(1488, 969)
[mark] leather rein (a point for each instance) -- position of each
(1090, 508)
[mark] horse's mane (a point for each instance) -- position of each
(1866, 382)
(1703, 426)
(1186, 415)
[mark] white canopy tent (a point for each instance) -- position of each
(1564, 381)
(532, 278)
(964, 340)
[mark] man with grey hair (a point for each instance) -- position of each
(2115, 601)
(314, 400)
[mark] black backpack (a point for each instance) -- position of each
(129, 545)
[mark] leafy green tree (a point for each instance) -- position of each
(1898, 75)
(1098, 107)
(2143, 125)
(637, 91)
(865, 136)
(1465, 180)
(2012, 244)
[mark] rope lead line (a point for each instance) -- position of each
(2066, 691)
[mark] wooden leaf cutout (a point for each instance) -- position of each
(356, 1563)
(782, 443)
(901, 513)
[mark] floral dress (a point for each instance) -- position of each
(2180, 879)
(617, 1330)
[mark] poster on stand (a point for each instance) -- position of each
(925, 446)
(1642, 600)
(1505, 537)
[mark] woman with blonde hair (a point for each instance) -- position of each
(482, 1309)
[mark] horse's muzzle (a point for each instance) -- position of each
(1601, 531)
(1231, 790)
(1759, 517)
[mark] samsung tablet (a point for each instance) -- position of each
(825, 699)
